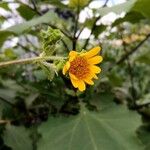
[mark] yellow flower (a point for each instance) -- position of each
(82, 67)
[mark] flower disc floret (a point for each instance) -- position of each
(79, 67)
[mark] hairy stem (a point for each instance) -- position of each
(30, 60)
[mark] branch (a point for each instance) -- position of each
(30, 60)
(76, 28)
(92, 30)
(65, 45)
(133, 50)
(35, 7)
(40, 14)
(80, 32)
(105, 4)
(124, 57)
(93, 27)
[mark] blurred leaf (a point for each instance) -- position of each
(78, 3)
(89, 22)
(7, 94)
(17, 138)
(57, 3)
(4, 35)
(115, 79)
(26, 12)
(9, 53)
(98, 30)
(132, 17)
(145, 58)
(1, 109)
(30, 99)
(12, 84)
(40, 75)
(142, 6)
(4, 5)
(113, 128)
(2, 19)
(49, 17)
(48, 69)
(144, 100)
(70, 92)
(144, 135)
(124, 7)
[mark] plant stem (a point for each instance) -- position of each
(30, 60)
(133, 50)
(93, 27)
(124, 57)
(76, 27)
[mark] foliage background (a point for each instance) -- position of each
(40, 110)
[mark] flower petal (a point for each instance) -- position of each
(95, 77)
(73, 76)
(95, 60)
(74, 82)
(81, 85)
(94, 51)
(72, 55)
(95, 69)
(89, 81)
(90, 75)
(66, 67)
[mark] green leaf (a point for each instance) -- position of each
(144, 100)
(9, 53)
(49, 17)
(4, 35)
(142, 6)
(132, 17)
(48, 69)
(7, 94)
(124, 7)
(17, 138)
(26, 12)
(145, 58)
(144, 135)
(4, 5)
(56, 3)
(40, 75)
(1, 109)
(115, 79)
(78, 3)
(98, 30)
(30, 99)
(112, 128)
(89, 22)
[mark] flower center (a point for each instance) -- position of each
(79, 67)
